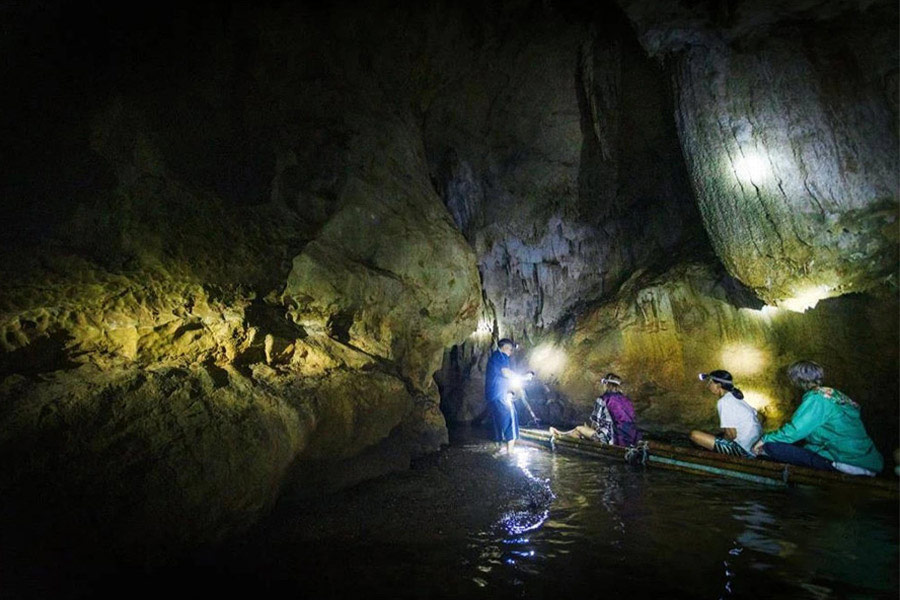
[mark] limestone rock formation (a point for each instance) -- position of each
(259, 276)
(661, 331)
(558, 159)
(787, 116)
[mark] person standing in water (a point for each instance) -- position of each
(498, 377)
(737, 419)
(612, 421)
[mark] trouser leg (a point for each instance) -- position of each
(796, 455)
(496, 421)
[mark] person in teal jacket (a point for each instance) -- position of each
(828, 423)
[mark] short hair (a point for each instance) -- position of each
(505, 342)
(806, 374)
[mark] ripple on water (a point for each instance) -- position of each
(695, 537)
(544, 525)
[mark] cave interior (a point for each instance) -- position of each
(252, 247)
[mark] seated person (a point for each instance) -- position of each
(738, 420)
(625, 432)
(612, 421)
(828, 423)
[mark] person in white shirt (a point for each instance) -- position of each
(739, 422)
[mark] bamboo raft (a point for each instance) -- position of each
(701, 462)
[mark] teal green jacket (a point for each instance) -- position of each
(829, 422)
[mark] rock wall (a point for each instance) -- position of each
(559, 161)
(788, 117)
(661, 331)
(255, 278)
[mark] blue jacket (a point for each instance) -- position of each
(495, 384)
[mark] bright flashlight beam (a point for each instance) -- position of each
(750, 168)
(516, 379)
(743, 359)
(806, 299)
(548, 360)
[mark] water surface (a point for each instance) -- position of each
(462, 524)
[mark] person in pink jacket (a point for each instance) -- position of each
(612, 421)
(621, 410)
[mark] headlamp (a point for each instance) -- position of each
(705, 376)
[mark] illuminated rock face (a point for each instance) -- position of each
(252, 287)
(797, 179)
(792, 164)
(789, 132)
(558, 160)
(660, 332)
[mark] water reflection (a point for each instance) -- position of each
(515, 522)
(728, 564)
(662, 534)
(759, 533)
(536, 506)
(504, 543)
(612, 498)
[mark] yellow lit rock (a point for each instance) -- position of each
(548, 360)
(180, 352)
(659, 332)
(743, 359)
(806, 298)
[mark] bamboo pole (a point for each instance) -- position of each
(700, 461)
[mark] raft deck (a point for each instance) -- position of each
(703, 462)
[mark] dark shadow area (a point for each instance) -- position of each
(48, 352)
